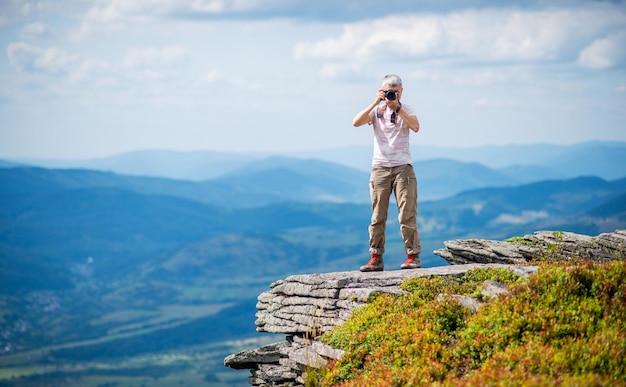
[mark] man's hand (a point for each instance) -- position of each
(393, 105)
(380, 96)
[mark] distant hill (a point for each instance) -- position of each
(269, 181)
(291, 179)
(63, 218)
(192, 165)
(609, 208)
(67, 217)
(605, 159)
(595, 158)
(531, 173)
(441, 178)
(557, 204)
(9, 164)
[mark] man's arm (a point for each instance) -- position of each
(363, 117)
(411, 121)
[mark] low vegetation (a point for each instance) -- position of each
(566, 325)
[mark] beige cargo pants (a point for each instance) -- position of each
(402, 182)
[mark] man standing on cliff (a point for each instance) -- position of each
(392, 171)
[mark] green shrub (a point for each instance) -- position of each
(565, 326)
(521, 240)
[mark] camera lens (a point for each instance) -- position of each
(390, 95)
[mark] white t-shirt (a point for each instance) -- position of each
(391, 141)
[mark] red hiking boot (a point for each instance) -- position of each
(374, 264)
(412, 262)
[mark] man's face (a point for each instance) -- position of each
(398, 89)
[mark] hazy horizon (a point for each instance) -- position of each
(309, 152)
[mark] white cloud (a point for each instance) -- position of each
(605, 52)
(219, 6)
(27, 8)
(91, 69)
(127, 11)
(154, 57)
(26, 57)
(137, 10)
(524, 217)
(54, 60)
(35, 29)
(490, 35)
(334, 70)
(481, 102)
(22, 56)
(114, 14)
(211, 76)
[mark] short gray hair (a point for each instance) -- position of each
(392, 80)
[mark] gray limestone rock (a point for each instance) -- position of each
(247, 359)
(467, 301)
(553, 245)
(316, 303)
(493, 289)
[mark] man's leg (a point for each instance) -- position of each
(405, 188)
(380, 191)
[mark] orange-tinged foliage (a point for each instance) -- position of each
(565, 326)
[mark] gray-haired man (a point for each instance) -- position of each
(392, 171)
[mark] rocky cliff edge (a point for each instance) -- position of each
(304, 306)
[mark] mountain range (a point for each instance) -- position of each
(441, 172)
(307, 214)
(598, 158)
(94, 261)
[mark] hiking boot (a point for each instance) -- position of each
(375, 264)
(412, 262)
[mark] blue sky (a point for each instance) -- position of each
(85, 79)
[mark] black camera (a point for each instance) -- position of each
(390, 94)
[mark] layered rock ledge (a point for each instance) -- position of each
(554, 245)
(311, 304)
(304, 306)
